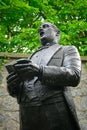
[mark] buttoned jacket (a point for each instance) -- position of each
(61, 72)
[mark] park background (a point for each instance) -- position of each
(19, 24)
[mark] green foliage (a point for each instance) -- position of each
(20, 20)
(25, 42)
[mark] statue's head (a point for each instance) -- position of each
(48, 33)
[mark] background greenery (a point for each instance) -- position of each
(20, 20)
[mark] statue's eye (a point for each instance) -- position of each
(45, 26)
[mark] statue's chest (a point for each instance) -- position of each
(40, 57)
(48, 56)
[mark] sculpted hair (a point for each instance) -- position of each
(55, 28)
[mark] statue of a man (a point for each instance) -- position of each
(41, 84)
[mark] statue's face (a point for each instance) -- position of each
(47, 33)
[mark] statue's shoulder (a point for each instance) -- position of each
(70, 48)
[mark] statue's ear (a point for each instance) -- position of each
(57, 34)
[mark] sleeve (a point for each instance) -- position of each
(66, 75)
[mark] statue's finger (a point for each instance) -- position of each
(12, 78)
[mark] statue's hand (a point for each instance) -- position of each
(26, 70)
(13, 83)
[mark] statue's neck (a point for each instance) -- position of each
(49, 43)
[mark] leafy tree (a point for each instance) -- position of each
(20, 20)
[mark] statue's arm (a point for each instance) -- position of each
(66, 75)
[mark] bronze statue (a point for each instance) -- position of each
(41, 84)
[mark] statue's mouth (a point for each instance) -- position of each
(41, 33)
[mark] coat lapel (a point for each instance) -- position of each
(49, 53)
